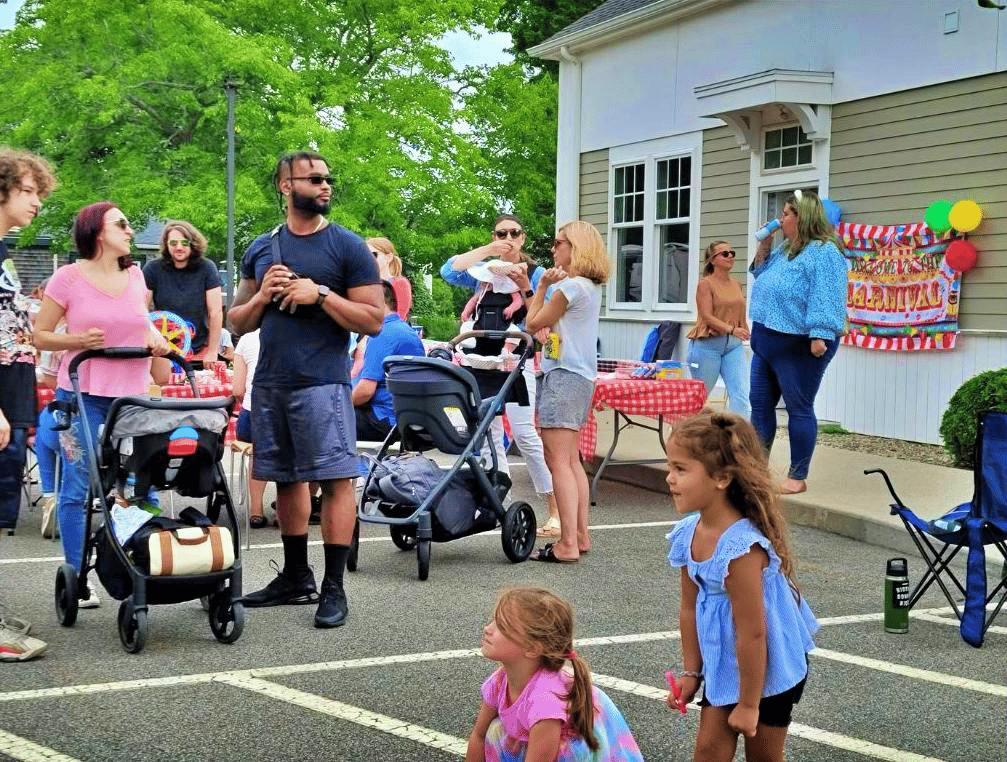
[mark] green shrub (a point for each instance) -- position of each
(438, 327)
(987, 391)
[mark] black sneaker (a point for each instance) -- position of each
(332, 608)
(284, 590)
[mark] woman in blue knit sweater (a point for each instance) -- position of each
(798, 311)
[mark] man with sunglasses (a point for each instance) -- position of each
(307, 284)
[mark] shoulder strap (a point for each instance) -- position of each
(274, 242)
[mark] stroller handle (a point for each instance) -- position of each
(523, 336)
(123, 353)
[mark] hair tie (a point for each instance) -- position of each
(571, 655)
(798, 195)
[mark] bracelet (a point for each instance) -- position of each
(688, 673)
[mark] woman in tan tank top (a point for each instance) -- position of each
(715, 346)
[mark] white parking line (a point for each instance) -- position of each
(817, 735)
(24, 750)
(339, 710)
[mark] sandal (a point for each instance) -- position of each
(548, 555)
(258, 522)
(550, 528)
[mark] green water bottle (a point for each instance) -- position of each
(897, 596)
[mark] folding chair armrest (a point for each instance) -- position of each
(891, 489)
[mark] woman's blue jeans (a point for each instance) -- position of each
(782, 365)
(74, 481)
(46, 451)
(722, 356)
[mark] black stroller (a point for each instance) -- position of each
(439, 405)
(173, 444)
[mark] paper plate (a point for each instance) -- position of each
(501, 283)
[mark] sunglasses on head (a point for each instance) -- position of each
(316, 179)
(179, 242)
(513, 233)
(728, 253)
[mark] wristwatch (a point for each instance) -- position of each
(530, 294)
(323, 291)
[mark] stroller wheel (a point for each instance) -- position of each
(423, 559)
(132, 627)
(351, 558)
(518, 533)
(66, 595)
(227, 618)
(403, 538)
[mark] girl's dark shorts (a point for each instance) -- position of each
(774, 711)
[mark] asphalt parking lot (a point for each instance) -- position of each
(401, 680)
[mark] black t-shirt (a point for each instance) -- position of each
(17, 355)
(183, 291)
(308, 348)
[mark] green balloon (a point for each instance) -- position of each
(937, 216)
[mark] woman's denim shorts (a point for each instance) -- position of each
(563, 400)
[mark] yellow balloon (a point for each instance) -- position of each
(965, 216)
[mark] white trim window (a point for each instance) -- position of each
(786, 147)
(654, 213)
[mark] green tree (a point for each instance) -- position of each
(530, 22)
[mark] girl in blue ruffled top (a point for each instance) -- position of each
(746, 629)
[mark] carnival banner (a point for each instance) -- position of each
(902, 296)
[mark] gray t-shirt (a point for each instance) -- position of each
(184, 293)
(578, 328)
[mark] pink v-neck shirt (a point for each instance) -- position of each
(124, 320)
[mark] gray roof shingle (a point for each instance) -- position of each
(607, 10)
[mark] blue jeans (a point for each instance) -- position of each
(722, 356)
(782, 364)
(12, 459)
(74, 481)
(46, 451)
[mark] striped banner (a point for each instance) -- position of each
(902, 295)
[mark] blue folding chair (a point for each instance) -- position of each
(973, 526)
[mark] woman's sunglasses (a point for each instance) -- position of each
(501, 234)
(122, 222)
(728, 253)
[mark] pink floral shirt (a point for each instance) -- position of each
(544, 698)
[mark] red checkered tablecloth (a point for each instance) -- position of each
(207, 388)
(673, 398)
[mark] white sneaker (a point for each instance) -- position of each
(50, 527)
(17, 645)
(92, 601)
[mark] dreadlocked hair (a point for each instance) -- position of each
(726, 443)
(538, 619)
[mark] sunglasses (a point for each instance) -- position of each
(122, 222)
(179, 242)
(502, 234)
(316, 179)
(728, 253)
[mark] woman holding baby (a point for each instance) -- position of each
(494, 311)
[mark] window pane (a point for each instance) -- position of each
(629, 265)
(674, 263)
(662, 205)
(620, 180)
(685, 170)
(683, 202)
(638, 187)
(789, 157)
(672, 204)
(801, 135)
(772, 159)
(804, 155)
(773, 138)
(617, 211)
(662, 175)
(790, 136)
(639, 208)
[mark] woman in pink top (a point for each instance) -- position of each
(104, 300)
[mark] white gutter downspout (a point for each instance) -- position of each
(568, 138)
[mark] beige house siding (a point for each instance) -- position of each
(723, 199)
(594, 189)
(894, 155)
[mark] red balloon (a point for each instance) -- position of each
(961, 256)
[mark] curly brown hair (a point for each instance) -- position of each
(537, 618)
(728, 444)
(14, 164)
